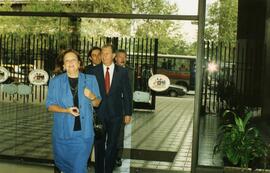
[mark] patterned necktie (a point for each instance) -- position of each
(107, 80)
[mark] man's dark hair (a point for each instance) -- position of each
(91, 50)
(121, 51)
(109, 45)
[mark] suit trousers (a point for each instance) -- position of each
(120, 142)
(106, 147)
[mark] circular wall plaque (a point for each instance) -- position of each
(159, 82)
(4, 74)
(38, 77)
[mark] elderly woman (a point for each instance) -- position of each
(72, 96)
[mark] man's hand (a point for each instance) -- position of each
(127, 119)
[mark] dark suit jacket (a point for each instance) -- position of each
(131, 80)
(131, 77)
(88, 67)
(119, 99)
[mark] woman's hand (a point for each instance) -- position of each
(74, 111)
(91, 96)
(88, 93)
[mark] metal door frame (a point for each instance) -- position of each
(200, 52)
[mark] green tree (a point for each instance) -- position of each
(99, 6)
(6, 22)
(170, 42)
(168, 32)
(45, 25)
(221, 22)
(6, 6)
(153, 7)
(33, 25)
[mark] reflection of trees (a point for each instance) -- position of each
(170, 40)
(138, 77)
(142, 73)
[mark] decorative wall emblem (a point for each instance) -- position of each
(4, 74)
(159, 82)
(38, 77)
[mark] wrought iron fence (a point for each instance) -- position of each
(22, 54)
(25, 124)
(232, 76)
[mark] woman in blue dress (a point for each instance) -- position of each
(72, 96)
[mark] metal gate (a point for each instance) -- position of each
(232, 76)
(22, 54)
(24, 121)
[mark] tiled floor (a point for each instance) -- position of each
(6, 167)
(169, 128)
(208, 134)
(156, 140)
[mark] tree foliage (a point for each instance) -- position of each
(221, 23)
(33, 25)
(170, 39)
(168, 32)
(153, 7)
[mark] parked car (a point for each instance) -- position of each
(174, 91)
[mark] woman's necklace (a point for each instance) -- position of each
(74, 90)
(73, 83)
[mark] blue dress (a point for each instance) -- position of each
(71, 148)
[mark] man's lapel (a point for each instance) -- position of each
(100, 75)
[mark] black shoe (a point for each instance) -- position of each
(118, 162)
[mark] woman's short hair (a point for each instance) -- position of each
(59, 63)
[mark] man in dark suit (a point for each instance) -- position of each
(115, 107)
(94, 58)
(121, 60)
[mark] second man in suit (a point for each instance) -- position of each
(94, 58)
(115, 107)
(121, 60)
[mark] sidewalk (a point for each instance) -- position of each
(164, 137)
(155, 141)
